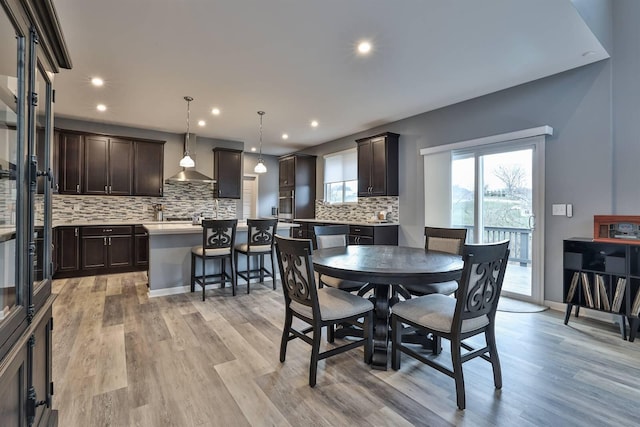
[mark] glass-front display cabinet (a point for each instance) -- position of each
(32, 51)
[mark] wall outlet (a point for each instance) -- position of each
(559, 209)
(389, 208)
(76, 207)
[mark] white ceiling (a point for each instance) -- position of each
(296, 60)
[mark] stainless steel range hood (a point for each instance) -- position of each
(190, 174)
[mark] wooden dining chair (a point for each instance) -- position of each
(316, 307)
(218, 238)
(333, 236)
(260, 241)
(472, 312)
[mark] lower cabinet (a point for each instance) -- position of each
(358, 234)
(92, 250)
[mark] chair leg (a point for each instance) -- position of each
(234, 278)
(193, 272)
(490, 335)
(315, 350)
(261, 268)
(331, 333)
(285, 335)
(235, 261)
(223, 273)
(204, 277)
(396, 341)
(273, 270)
(456, 361)
(248, 273)
(436, 341)
(368, 335)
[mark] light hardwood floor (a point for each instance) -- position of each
(122, 359)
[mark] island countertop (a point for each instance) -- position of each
(184, 227)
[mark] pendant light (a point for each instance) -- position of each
(187, 161)
(260, 167)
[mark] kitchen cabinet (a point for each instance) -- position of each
(108, 166)
(148, 166)
(141, 250)
(227, 172)
(370, 235)
(70, 155)
(104, 248)
(378, 165)
(67, 242)
(297, 178)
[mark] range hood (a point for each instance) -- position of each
(190, 174)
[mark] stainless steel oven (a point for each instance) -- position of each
(286, 204)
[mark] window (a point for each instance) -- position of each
(341, 177)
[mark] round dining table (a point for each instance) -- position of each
(383, 266)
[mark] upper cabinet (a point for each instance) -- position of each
(227, 173)
(104, 165)
(287, 171)
(148, 164)
(378, 165)
(298, 179)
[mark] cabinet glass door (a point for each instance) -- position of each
(9, 126)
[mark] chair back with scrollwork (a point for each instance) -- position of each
(261, 233)
(296, 272)
(481, 282)
(218, 234)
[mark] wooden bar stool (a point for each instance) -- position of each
(260, 240)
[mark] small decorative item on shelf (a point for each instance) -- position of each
(616, 228)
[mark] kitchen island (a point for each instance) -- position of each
(170, 246)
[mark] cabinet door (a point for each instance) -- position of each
(96, 156)
(41, 368)
(94, 252)
(227, 167)
(120, 249)
(70, 163)
(378, 166)
(141, 250)
(148, 168)
(13, 384)
(67, 249)
(120, 167)
(364, 168)
(286, 172)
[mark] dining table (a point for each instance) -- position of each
(383, 267)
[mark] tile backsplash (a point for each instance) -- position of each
(180, 200)
(361, 211)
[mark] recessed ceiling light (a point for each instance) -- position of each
(201, 123)
(364, 47)
(285, 136)
(253, 149)
(101, 107)
(314, 123)
(215, 111)
(97, 81)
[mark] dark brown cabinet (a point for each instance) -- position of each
(67, 242)
(297, 177)
(70, 155)
(148, 168)
(106, 247)
(378, 165)
(227, 172)
(141, 250)
(108, 166)
(370, 235)
(105, 165)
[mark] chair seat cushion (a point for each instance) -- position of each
(255, 249)
(435, 312)
(445, 288)
(197, 250)
(345, 285)
(335, 304)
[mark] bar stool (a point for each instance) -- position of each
(260, 240)
(218, 239)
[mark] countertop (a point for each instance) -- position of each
(180, 227)
(334, 221)
(7, 232)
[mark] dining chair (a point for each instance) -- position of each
(472, 312)
(260, 241)
(450, 240)
(218, 238)
(317, 307)
(332, 236)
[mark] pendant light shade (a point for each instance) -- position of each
(260, 167)
(187, 161)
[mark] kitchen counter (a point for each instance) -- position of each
(362, 223)
(7, 233)
(186, 227)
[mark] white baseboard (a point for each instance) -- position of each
(180, 289)
(592, 314)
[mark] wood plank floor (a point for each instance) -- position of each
(121, 359)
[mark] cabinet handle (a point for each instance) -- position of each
(104, 241)
(357, 230)
(106, 189)
(109, 189)
(109, 241)
(75, 232)
(77, 188)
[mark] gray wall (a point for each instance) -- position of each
(579, 156)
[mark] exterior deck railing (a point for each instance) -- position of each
(520, 241)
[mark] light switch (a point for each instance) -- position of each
(559, 209)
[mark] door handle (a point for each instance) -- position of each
(75, 232)
(77, 188)
(109, 241)
(106, 189)
(104, 241)
(532, 222)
